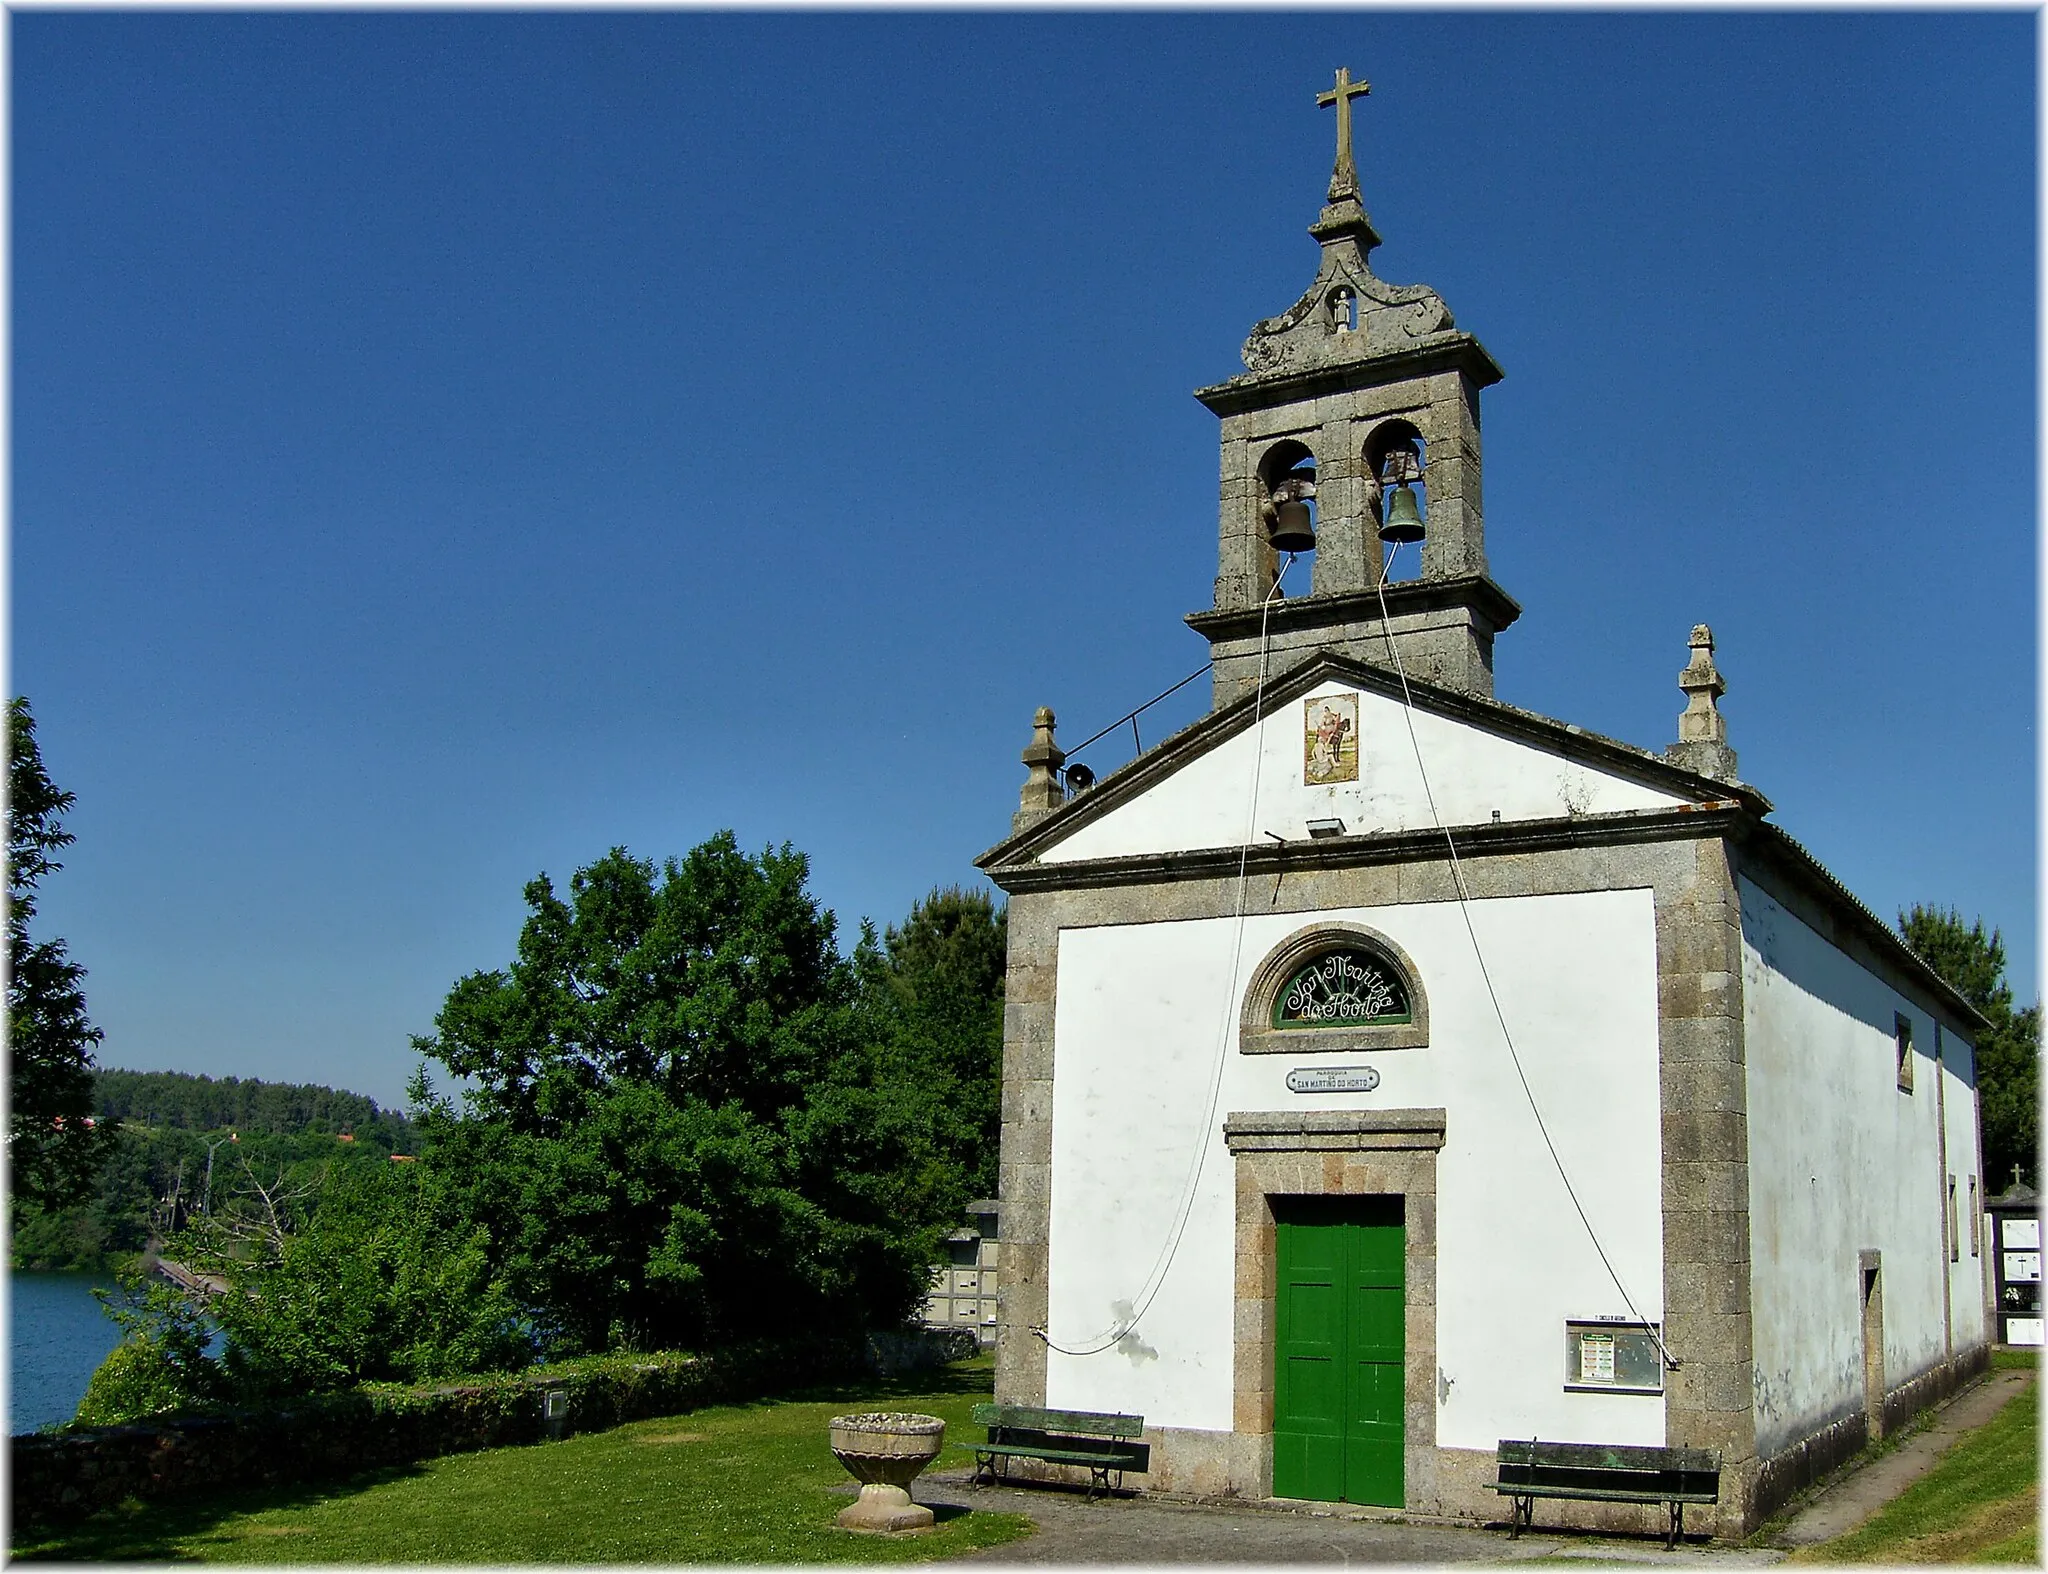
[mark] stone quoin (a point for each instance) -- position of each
(1613, 1118)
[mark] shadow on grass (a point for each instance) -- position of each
(970, 1377)
(157, 1531)
(160, 1530)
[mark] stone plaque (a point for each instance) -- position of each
(1332, 1079)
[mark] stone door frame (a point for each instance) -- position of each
(1335, 1153)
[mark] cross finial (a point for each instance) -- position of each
(1344, 178)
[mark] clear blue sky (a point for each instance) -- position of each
(447, 446)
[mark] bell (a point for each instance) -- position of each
(1291, 530)
(1404, 520)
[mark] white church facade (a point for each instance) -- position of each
(1389, 1071)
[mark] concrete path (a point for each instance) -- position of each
(1153, 1530)
(1854, 1498)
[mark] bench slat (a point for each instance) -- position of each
(1645, 1480)
(1615, 1495)
(1123, 1457)
(1607, 1456)
(1085, 1423)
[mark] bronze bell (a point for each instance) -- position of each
(1291, 529)
(1404, 519)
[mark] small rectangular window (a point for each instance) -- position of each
(1955, 1245)
(1902, 1040)
(1973, 1215)
(1608, 1358)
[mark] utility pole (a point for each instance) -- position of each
(206, 1201)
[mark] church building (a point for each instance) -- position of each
(1389, 1071)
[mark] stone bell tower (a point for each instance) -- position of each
(1360, 392)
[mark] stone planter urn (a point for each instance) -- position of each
(884, 1450)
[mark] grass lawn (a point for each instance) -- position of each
(737, 1483)
(1979, 1504)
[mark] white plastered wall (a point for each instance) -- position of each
(1840, 1162)
(1146, 1024)
(1473, 773)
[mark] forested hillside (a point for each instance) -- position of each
(169, 1129)
(288, 1109)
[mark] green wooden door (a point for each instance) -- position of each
(1338, 1355)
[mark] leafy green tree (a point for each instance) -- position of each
(940, 979)
(54, 1145)
(346, 1276)
(676, 1130)
(2008, 1055)
(112, 1224)
(715, 978)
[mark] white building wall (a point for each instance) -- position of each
(1472, 773)
(1968, 1325)
(1146, 1067)
(1841, 1161)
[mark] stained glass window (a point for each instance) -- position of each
(1347, 987)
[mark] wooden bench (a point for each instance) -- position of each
(1607, 1473)
(1100, 1443)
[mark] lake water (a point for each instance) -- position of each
(56, 1336)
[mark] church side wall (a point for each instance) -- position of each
(1848, 1172)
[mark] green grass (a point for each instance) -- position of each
(1979, 1504)
(732, 1484)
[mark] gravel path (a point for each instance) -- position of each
(1153, 1530)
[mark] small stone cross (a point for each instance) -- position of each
(1344, 178)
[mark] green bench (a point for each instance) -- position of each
(1606, 1473)
(1101, 1444)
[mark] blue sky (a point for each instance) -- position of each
(447, 446)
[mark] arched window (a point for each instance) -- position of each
(1286, 499)
(1334, 987)
(1395, 458)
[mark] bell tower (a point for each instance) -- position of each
(1354, 428)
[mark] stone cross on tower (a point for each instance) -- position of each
(1355, 375)
(1344, 178)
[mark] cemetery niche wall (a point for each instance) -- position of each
(2013, 1224)
(1389, 1070)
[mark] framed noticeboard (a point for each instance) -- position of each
(1612, 1358)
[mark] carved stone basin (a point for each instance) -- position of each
(884, 1450)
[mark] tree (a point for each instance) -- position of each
(716, 978)
(2008, 1053)
(941, 977)
(326, 1279)
(54, 1146)
(677, 1130)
